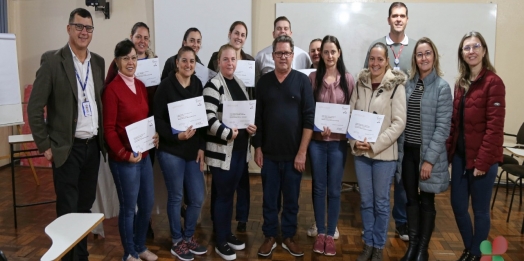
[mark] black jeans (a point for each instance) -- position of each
(75, 186)
(226, 182)
(410, 177)
(243, 197)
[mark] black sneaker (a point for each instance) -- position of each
(235, 243)
(181, 251)
(194, 247)
(402, 232)
(241, 227)
(225, 251)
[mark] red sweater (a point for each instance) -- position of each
(122, 107)
(484, 111)
(112, 72)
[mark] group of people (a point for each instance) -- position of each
(424, 130)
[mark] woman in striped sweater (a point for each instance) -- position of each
(422, 160)
(227, 149)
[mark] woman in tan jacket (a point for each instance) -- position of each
(379, 90)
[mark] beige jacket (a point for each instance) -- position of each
(389, 99)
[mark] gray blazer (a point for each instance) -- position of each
(55, 86)
(435, 113)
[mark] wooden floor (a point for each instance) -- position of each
(29, 241)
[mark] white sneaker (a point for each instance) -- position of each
(148, 256)
(312, 231)
(131, 258)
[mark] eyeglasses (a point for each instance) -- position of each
(127, 58)
(80, 27)
(475, 47)
(285, 54)
(426, 53)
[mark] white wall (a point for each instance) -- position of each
(509, 43)
(174, 17)
(40, 25)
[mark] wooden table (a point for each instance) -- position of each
(15, 155)
(519, 153)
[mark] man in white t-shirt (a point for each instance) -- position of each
(264, 60)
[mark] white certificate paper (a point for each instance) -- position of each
(148, 71)
(141, 134)
(238, 114)
(188, 112)
(245, 71)
(307, 72)
(331, 115)
(203, 73)
(364, 125)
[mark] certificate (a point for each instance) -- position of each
(141, 134)
(188, 112)
(245, 71)
(203, 73)
(307, 72)
(331, 115)
(148, 72)
(238, 114)
(364, 125)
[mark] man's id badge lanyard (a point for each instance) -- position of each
(397, 56)
(86, 107)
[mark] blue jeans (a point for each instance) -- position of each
(179, 173)
(374, 179)
(135, 188)
(280, 177)
(464, 185)
(226, 182)
(327, 164)
(399, 203)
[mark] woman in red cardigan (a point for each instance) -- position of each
(475, 142)
(125, 102)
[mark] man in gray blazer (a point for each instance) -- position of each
(69, 83)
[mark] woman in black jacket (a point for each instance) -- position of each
(181, 156)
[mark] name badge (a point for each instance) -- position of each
(396, 68)
(86, 108)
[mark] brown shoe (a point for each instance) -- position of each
(267, 247)
(292, 247)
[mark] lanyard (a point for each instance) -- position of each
(397, 57)
(83, 84)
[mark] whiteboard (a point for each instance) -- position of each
(212, 18)
(10, 98)
(357, 25)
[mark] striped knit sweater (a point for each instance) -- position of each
(219, 147)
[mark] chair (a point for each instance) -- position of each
(517, 171)
(509, 159)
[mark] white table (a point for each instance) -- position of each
(67, 230)
(517, 152)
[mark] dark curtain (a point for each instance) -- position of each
(3, 16)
